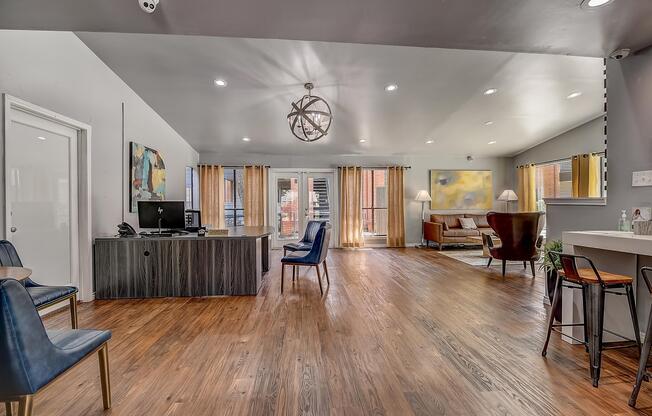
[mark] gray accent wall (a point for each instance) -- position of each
(629, 123)
(587, 138)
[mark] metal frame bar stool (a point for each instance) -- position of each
(642, 373)
(595, 285)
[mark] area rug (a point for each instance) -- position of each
(474, 258)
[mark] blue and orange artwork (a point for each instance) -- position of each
(147, 182)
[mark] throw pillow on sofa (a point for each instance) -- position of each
(468, 224)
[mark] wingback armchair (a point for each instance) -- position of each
(32, 357)
(519, 234)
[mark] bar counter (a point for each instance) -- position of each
(616, 252)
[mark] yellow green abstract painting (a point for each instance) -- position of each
(461, 189)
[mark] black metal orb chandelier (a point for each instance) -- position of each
(310, 117)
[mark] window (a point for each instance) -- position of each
(555, 180)
(192, 188)
(374, 202)
(233, 197)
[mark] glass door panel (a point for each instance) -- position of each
(288, 224)
(318, 194)
(301, 196)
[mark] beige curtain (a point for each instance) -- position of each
(586, 176)
(351, 207)
(211, 195)
(527, 198)
(255, 195)
(395, 207)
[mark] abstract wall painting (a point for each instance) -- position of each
(461, 189)
(147, 181)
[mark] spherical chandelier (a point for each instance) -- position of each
(310, 117)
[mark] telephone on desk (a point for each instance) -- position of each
(126, 230)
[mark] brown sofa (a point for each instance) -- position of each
(446, 229)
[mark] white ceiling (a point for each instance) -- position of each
(543, 26)
(440, 94)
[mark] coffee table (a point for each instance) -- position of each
(485, 248)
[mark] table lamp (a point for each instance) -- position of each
(423, 196)
(508, 196)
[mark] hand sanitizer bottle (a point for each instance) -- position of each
(623, 224)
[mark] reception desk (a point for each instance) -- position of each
(185, 265)
(615, 252)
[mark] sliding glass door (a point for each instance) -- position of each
(298, 196)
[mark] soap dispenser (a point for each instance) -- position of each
(623, 224)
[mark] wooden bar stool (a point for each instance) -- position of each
(595, 285)
(645, 352)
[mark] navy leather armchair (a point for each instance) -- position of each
(42, 296)
(308, 237)
(314, 258)
(32, 357)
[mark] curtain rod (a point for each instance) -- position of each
(565, 158)
(230, 167)
(377, 167)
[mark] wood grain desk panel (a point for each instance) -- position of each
(180, 266)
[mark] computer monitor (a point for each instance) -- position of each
(170, 214)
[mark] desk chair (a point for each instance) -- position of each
(315, 257)
(32, 357)
(42, 296)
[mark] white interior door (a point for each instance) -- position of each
(41, 196)
(298, 197)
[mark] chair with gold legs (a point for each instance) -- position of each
(32, 357)
(42, 296)
(315, 258)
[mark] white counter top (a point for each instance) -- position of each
(621, 241)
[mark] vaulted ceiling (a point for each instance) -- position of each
(440, 95)
(541, 26)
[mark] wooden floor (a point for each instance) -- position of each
(399, 332)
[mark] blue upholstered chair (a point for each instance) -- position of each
(32, 357)
(314, 258)
(42, 296)
(308, 237)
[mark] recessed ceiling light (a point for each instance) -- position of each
(488, 123)
(363, 140)
(246, 139)
(595, 3)
(492, 142)
(574, 95)
(430, 141)
(41, 138)
(491, 91)
(221, 83)
(391, 87)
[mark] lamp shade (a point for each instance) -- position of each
(423, 196)
(508, 195)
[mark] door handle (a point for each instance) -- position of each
(13, 229)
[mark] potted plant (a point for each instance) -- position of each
(551, 272)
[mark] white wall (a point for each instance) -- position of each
(416, 178)
(55, 70)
